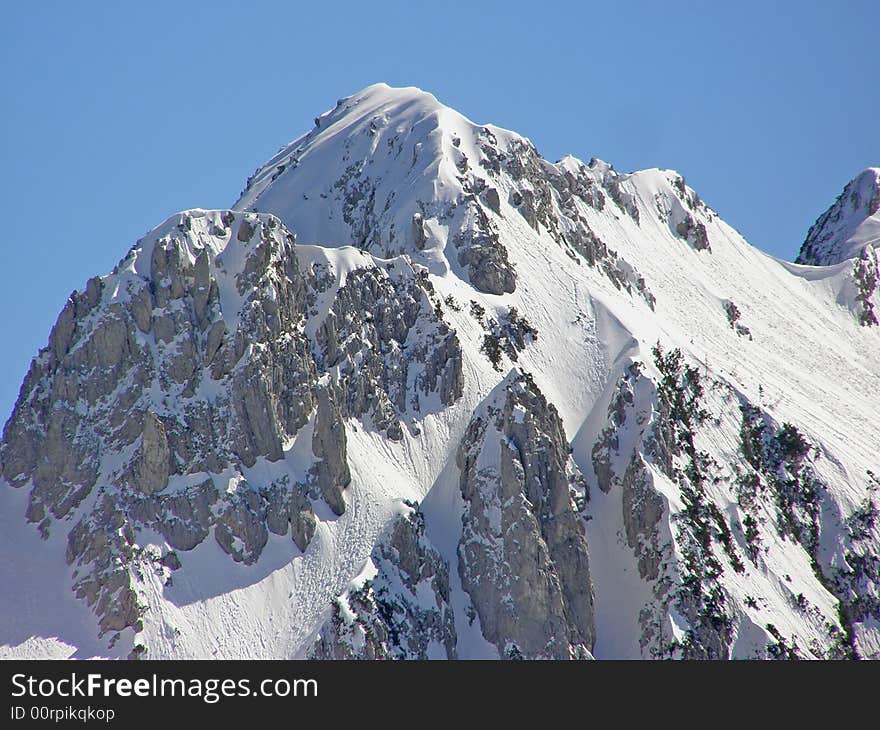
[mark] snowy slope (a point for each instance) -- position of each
(474, 312)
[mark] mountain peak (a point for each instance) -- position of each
(393, 171)
(383, 148)
(379, 100)
(850, 224)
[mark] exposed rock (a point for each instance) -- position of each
(331, 473)
(607, 447)
(380, 331)
(420, 238)
(154, 465)
(493, 200)
(481, 251)
(202, 288)
(101, 547)
(245, 231)
(733, 317)
(523, 554)
(93, 391)
(184, 519)
(302, 521)
(241, 526)
(866, 275)
(694, 232)
(643, 509)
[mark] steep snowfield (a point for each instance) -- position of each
(404, 179)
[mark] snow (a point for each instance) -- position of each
(41, 618)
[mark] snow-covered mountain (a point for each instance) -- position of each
(422, 394)
(848, 226)
(850, 230)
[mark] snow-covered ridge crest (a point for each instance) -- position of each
(402, 140)
(394, 171)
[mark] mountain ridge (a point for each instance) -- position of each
(422, 394)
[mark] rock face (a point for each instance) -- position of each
(155, 458)
(208, 310)
(523, 555)
(424, 394)
(328, 444)
(866, 277)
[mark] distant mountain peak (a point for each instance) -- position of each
(848, 226)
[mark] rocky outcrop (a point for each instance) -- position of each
(734, 316)
(619, 463)
(781, 475)
(191, 360)
(693, 554)
(866, 276)
(101, 547)
(523, 555)
(481, 251)
(694, 232)
(547, 197)
(155, 459)
(381, 333)
(331, 473)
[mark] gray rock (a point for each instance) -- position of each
(643, 508)
(493, 200)
(241, 529)
(202, 290)
(420, 237)
(154, 463)
(694, 232)
(185, 519)
(523, 554)
(302, 521)
(142, 309)
(331, 473)
(481, 251)
(215, 339)
(245, 231)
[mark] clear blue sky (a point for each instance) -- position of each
(116, 115)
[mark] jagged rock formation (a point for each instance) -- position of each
(523, 555)
(424, 394)
(191, 362)
(866, 276)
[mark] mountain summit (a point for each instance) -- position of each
(421, 393)
(844, 230)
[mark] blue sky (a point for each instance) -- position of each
(116, 115)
